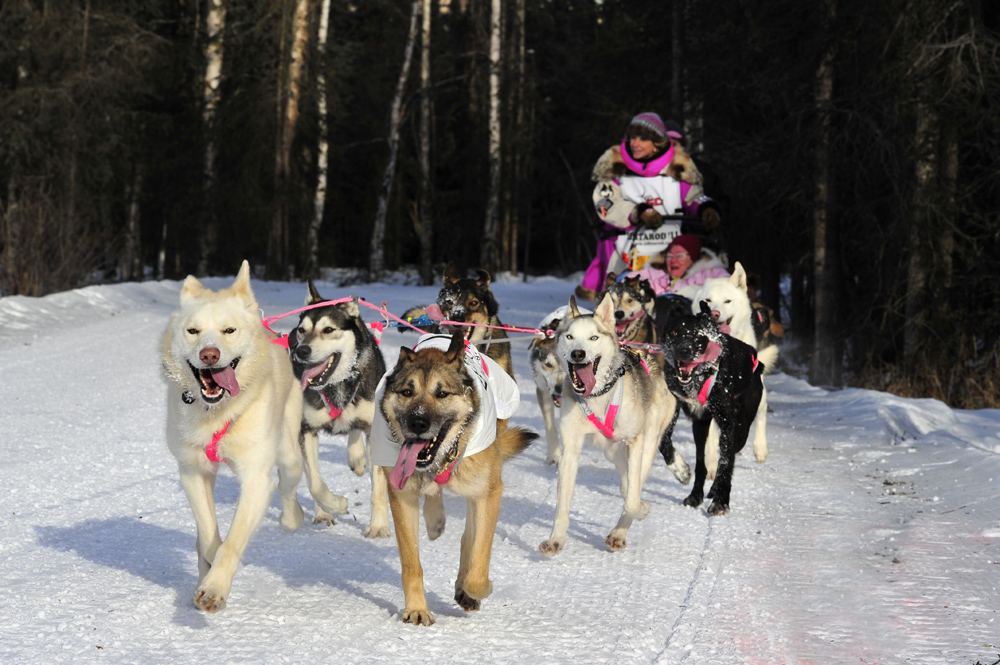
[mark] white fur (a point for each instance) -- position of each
(265, 414)
(728, 296)
(647, 410)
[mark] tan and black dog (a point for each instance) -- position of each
(469, 300)
(633, 300)
(436, 426)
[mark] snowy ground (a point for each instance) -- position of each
(870, 535)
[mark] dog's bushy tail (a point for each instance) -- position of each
(768, 356)
(513, 441)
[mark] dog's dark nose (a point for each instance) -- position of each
(303, 351)
(558, 389)
(577, 356)
(619, 314)
(419, 424)
(209, 356)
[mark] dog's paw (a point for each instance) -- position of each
(356, 460)
(551, 547)
(718, 508)
(324, 518)
(553, 457)
(680, 469)
(615, 541)
(292, 519)
(208, 600)
(418, 617)
(466, 602)
(377, 531)
(694, 499)
(760, 451)
(332, 503)
(436, 528)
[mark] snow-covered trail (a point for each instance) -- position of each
(871, 534)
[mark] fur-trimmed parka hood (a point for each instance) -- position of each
(681, 167)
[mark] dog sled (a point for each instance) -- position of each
(635, 247)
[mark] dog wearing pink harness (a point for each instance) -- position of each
(715, 377)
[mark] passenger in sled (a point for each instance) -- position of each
(648, 192)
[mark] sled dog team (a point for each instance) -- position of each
(438, 419)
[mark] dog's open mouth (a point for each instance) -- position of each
(584, 377)
(724, 326)
(217, 381)
(317, 375)
(557, 399)
(419, 453)
(686, 368)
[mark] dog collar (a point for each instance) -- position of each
(212, 449)
(331, 408)
(607, 428)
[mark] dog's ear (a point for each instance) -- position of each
(573, 310)
(456, 350)
(610, 279)
(450, 276)
(406, 354)
(351, 307)
(705, 309)
(313, 296)
(241, 286)
(191, 288)
(484, 278)
(605, 312)
(739, 278)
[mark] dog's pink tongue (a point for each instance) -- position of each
(406, 464)
(434, 312)
(311, 372)
(586, 375)
(226, 377)
(711, 352)
(724, 328)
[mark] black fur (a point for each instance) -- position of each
(732, 402)
(360, 383)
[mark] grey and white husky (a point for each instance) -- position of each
(549, 373)
(337, 360)
(617, 403)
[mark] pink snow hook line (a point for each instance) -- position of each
(534, 331)
(267, 320)
(283, 339)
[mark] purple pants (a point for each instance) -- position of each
(593, 279)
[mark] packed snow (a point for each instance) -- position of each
(870, 535)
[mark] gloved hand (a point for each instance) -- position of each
(710, 217)
(648, 216)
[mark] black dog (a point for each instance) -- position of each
(713, 376)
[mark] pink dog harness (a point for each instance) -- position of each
(212, 449)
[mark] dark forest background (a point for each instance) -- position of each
(853, 146)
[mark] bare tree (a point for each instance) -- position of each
(490, 255)
(826, 363)
(278, 257)
(211, 95)
(376, 263)
(322, 163)
(426, 230)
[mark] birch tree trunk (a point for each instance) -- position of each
(323, 161)
(131, 260)
(426, 182)
(211, 94)
(490, 253)
(376, 262)
(279, 258)
(826, 363)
